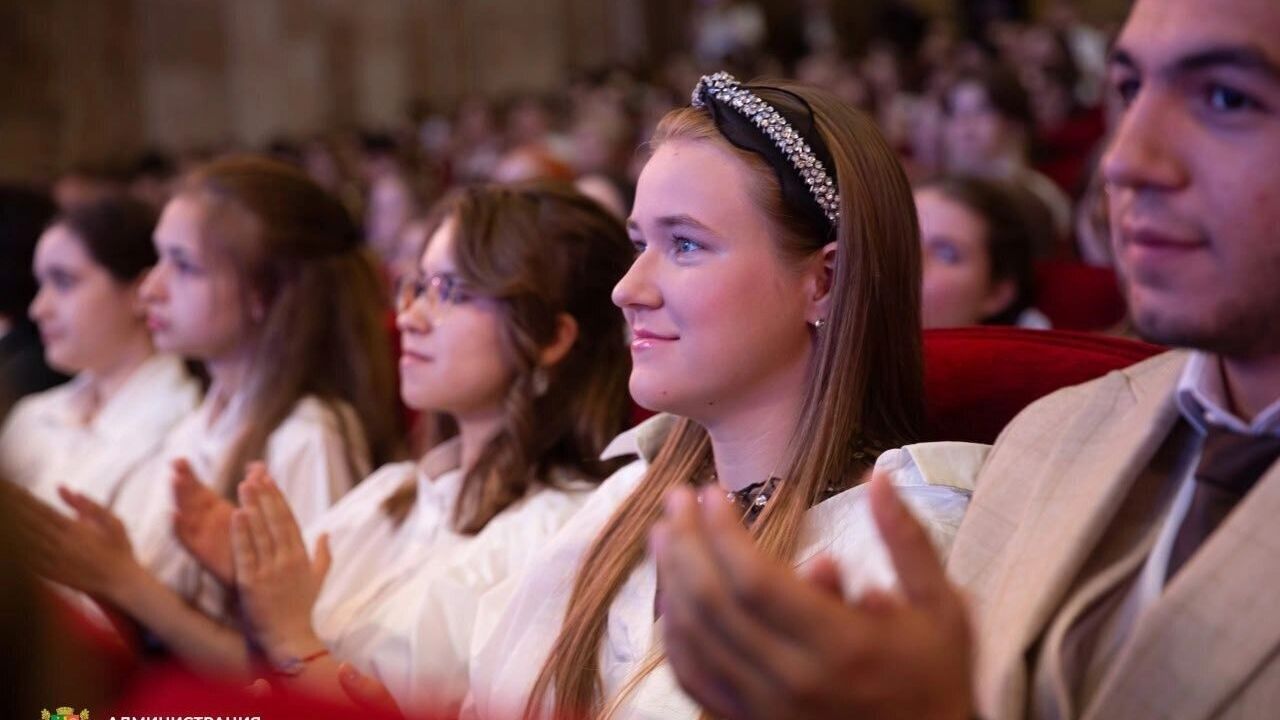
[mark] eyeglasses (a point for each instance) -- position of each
(439, 291)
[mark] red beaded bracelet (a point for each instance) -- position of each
(293, 667)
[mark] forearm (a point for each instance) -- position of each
(189, 633)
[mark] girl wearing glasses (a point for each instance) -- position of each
(507, 330)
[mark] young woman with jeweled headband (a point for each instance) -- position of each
(774, 306)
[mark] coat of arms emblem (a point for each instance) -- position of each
(64, 713)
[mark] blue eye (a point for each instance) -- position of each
(638, 246)
(182, 265)
(1227, 99)
(684, 245)
(945, 252)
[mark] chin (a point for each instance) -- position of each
(61, 363)
(418, 397)
(652, 396)
(166, 344)
(1173, 326)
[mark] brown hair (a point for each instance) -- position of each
(323, 333)
(542, 250)
(865, 386)
(116, 232)
(1016, 224)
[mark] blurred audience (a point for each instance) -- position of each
(24, 213)
(977, 238)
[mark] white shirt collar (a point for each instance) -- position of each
(1202, 399)
(644, 440)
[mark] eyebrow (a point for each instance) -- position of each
(669, 221)
(1241, 57)
(176, 251)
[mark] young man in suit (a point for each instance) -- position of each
(1119, 558)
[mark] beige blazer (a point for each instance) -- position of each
(1066, 508)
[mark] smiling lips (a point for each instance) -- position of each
(1146, 236)
(644, 339)
(1146, 245)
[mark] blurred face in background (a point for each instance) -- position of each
(391, 207)
(975, 135)
(958, 288)
(193, 295)
(87, 318)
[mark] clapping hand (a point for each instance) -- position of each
(750, 638)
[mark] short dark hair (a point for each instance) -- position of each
(24, 214)
(116, 232)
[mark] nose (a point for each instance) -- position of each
(153, 285)
(412, 317)
(1144, 150)
(39, 308)
(637, 288)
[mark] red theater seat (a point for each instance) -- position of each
(1076, 296)
(978, 379)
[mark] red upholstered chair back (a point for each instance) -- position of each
(978, 379)
(1076, 296)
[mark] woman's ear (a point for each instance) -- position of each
(566, 336)
(819, 283)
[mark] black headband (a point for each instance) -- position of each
(788, 140)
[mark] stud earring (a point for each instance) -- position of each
(817, 324)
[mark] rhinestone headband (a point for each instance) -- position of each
(726, 89)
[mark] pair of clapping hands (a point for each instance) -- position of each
(750, 638)
(747, 636)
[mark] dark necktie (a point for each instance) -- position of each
(1230, 465)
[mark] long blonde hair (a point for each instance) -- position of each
(865, 384)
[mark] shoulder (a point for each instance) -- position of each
(32, 421)
(1050, 441)
(312, 412)
(378, 486)
(614, 490)
(591, 511)
(312, 423)
(569, 495)
(933, 479)
(643, 440)
(42, 403)
(1098, 397)
(169, 374)
(322, 435)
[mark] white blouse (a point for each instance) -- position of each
(307, 457)
(45, 443)
(521, 619)
(400, 602)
